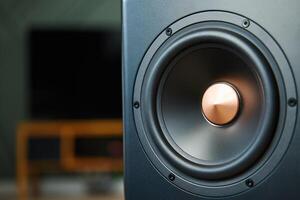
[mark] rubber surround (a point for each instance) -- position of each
(229, 37)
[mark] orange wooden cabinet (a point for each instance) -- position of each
(66, 132)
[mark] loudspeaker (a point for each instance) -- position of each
(210, 99)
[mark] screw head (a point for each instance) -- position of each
(245, 23)
(249, 182)
(292, 102)
(136, 104)
(171, 177)
(168, 31)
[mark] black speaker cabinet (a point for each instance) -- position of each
(210, 99)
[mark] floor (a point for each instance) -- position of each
(98, 197)
(58, 189)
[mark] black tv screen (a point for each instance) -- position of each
(75, 74)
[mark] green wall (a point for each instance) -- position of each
(16, 19)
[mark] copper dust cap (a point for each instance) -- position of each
(220, 103)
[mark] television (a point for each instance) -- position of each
(74, 74)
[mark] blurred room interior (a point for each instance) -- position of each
(61, 106)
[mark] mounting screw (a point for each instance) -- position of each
(245, 23)
(168, 31)
(136, 104)
(250, 183)
(292, 102)
(171, 177)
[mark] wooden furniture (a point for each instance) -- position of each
(67, 132)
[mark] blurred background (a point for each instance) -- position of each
(60, 100)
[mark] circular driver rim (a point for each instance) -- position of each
(185, 162)
(287, 119)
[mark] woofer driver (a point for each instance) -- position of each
(182, 70)
(177, 133)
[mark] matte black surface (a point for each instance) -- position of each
(44, 149)
(97, 147)
(142, 22)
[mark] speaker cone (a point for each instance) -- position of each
(198, 143)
